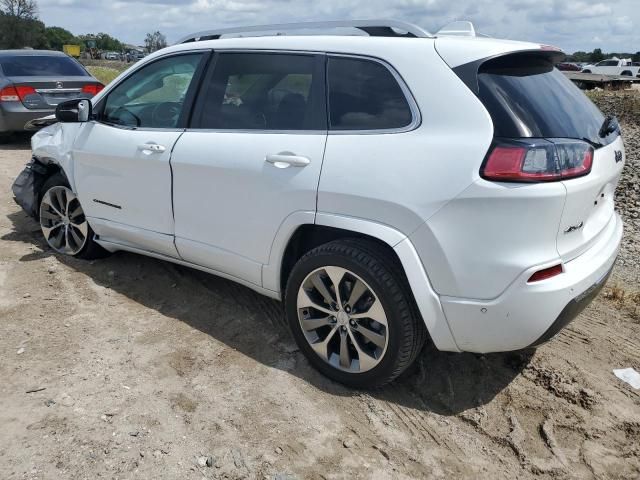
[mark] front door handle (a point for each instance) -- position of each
(151, 147)
(287, 159)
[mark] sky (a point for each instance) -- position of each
(573, 25)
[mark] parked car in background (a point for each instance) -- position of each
(34, 82)
(569, 67)
(614, 66)
(475, 209)
(112, 56)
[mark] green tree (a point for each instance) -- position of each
(104, 42)
(57, 37)
(155, 41)
(579, 56)
(20, 32)
(596, 55)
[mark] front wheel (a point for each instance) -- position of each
(351, 312)
(63, 223)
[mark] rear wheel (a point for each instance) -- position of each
(352, 315)
(63, 223)
(586, 71)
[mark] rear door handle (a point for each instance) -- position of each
(287, 159)
(151, 147)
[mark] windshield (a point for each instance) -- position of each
(40, 66)
(527, 97)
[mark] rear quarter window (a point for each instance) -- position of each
(365, 95)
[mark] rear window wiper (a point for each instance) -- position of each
(595, 145)
(609, 126)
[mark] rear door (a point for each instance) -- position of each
(251, 158)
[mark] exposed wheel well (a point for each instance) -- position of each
(308, 237)
(626, 73)
(52, 169)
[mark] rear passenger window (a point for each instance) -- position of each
(264, 91)
(364, 95)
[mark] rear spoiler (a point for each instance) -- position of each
(468, 72)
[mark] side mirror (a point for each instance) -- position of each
(74, 111)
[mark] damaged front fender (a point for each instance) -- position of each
(51, 153)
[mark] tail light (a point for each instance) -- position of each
(15, 93)
(92, 88)
(537, 160)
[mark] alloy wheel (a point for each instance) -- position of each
(63, 221)
(342, 319)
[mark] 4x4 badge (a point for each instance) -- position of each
(618, 154)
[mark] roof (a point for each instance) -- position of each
(458, 49)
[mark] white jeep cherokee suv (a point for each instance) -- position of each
(388, 187)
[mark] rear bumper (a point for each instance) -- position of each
(573, 309)
(528, 314)
(14, 116)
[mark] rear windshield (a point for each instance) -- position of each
(40, 66)
(527, 97)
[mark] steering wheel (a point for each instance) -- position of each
(122, 119)
(166, 114)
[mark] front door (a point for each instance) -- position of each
(251, 158)
(122, 169)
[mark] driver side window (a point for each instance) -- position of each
(153, 97)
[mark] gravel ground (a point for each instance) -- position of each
(129, 368)
(626, 106)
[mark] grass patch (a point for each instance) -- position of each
(104, 74)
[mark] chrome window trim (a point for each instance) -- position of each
(416, 117)
(257, 131)
(137, 129)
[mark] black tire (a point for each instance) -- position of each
(91, 250)
(406, 330)
(586, 71)
(626, 73)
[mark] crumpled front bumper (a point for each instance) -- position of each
(26, 187)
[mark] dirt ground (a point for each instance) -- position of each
(130, 367)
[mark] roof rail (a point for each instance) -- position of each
(375, 28)
(460, 28)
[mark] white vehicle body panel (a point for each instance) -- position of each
(403, 186)
(229, 201)
(519, 316)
